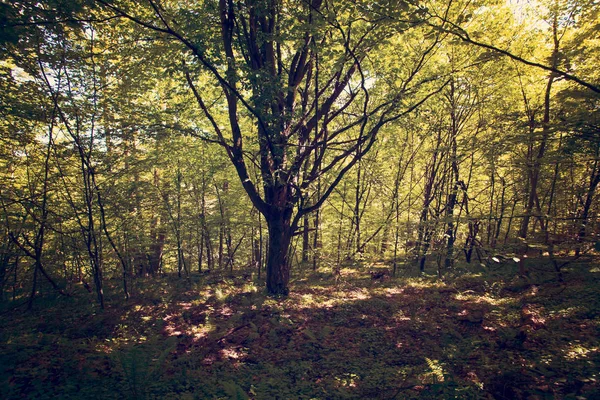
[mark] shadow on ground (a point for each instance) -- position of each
(213, 337)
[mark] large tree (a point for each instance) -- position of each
(302, 98)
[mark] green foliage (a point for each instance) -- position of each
(142, 367)
(472, 176)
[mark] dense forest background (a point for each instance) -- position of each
(268, 141)
(430, 144)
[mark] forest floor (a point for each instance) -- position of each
(486, 335)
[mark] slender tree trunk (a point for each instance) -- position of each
(451, 201)
(157, 235)
(340, 229)
(199, 246)
(317, 236)
(305, 222)
(221, 240)
(357, 201)
(230, 249)
(260, 245)
(255, 249)
(585, 212)
(221, 228)
(204, 227)
(396, 234)
(305, 239)
(15, 278)
(425, 230)
(551, 195)
(491, 220)
(122, 260)
(535, 160)
(510, 219)
(40, 236)
(500, 215)
(210, 259)
(33, 285)
(181, 263)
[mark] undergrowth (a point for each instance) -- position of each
(472, 335)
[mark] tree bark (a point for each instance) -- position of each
(280, 236)
(594, 181)
(305, 239)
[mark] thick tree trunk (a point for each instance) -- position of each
(280, 236)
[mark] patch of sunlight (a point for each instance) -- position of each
(379, 291)
(168, 317)
(234, 353)
(146, 318)
(226, 311)
(547, 359)
(104, 348)
(565, 312)
(203, 294)
(423, 283)
(326, 298)
(249, 288)
(137, 307)
(199, 331)
(434, 373)
(394, 290)
(400, 316)
(272, 303)
(577, 351)
(209, 326)
(107, 346)
(348, 271)
(219, 295)
(316, 288)
(346, 296)
(595, 269)
(347, 380)
(484, 298)
(198, 302)
(330, 303)
(473, 275)
(307, 300)
(357, 294)
(173, 331)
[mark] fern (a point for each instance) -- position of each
(437, 371)
(139, 367)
